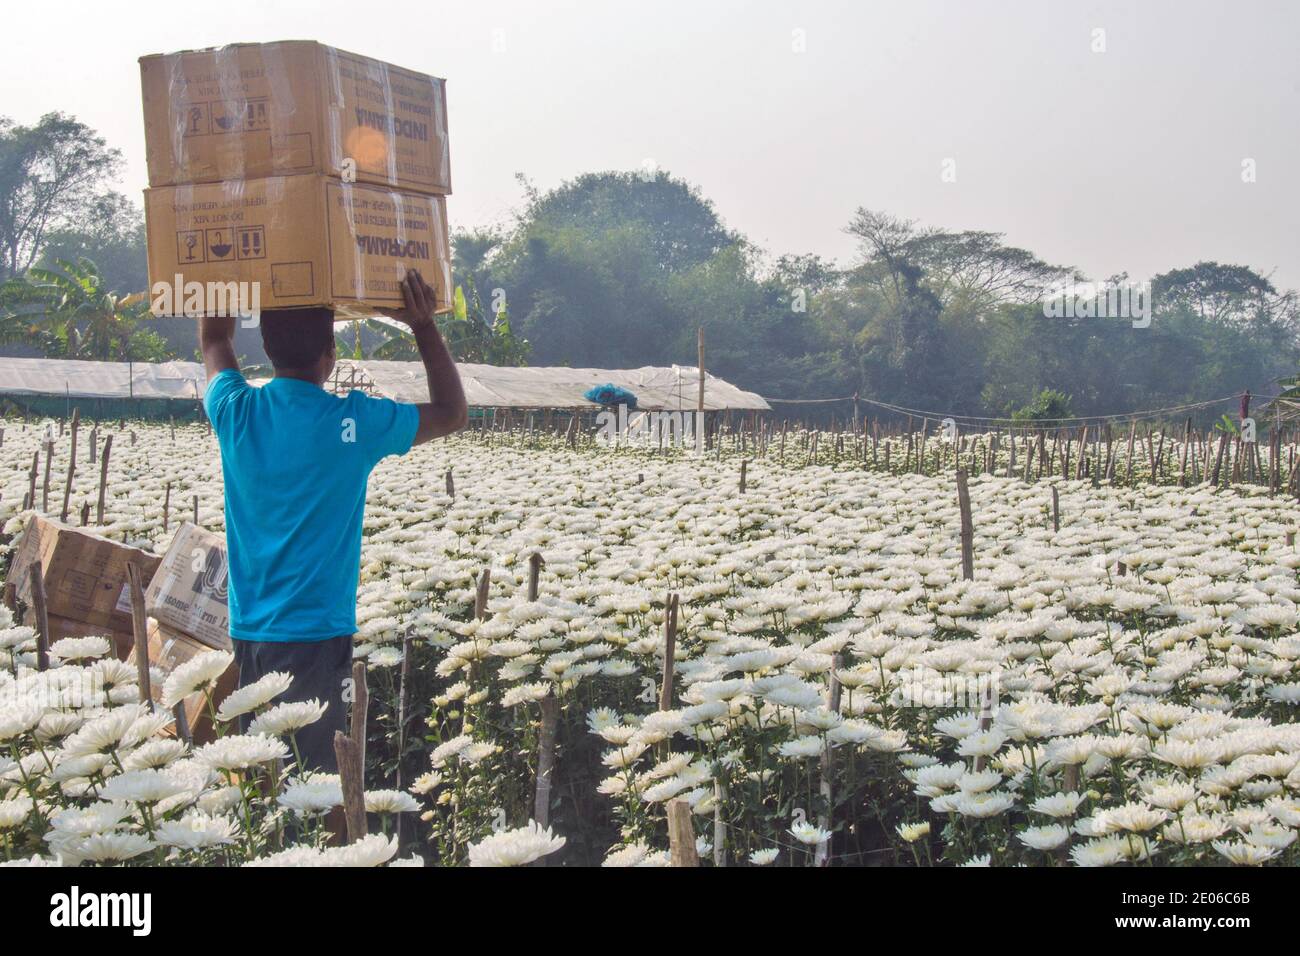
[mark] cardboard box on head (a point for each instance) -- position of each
(85, 574)
(291, 241)
(250, 110)
(188, 593)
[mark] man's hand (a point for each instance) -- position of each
(420, 301)
(446, 412)
(217, 342)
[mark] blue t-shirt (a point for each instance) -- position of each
(295, 460)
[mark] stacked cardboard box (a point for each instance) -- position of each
(87, 593)
(187, 604)
(86, 587)
(318, 174)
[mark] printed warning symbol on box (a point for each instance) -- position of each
(198, 119)
(251, 242)
(244, 116)
(221, 244)
(190, 246)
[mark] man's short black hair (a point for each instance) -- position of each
(297, 338)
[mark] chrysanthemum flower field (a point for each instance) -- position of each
(1123, 691)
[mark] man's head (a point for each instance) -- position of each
(300, 342)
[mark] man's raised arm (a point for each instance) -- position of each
(217, 343)
(447, 412)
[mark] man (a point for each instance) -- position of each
(295, 460)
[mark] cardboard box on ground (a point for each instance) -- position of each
(250, 110)
(187, 603)
(168, 649)
(86, 587)
(304, 240)
(88, 594)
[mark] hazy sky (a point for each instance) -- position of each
(1127, 159)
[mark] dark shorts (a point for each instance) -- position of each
(321, 670)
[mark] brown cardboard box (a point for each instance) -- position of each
(266, 109)
(188, 593)
(85, 574)
(305, 240)
(168, 649)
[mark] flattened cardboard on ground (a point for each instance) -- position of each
(188, 593)
(305, 241)
(168, 649)
(249, 110)
(85, 574)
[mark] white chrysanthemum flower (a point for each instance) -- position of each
(320, 793)
(140, 786)
(517, 847)
(287, 718)
(809, 833)
(199, 673)
(390, 801)
(241, 751)
(197, 830)
(80, 648)
(248, 698)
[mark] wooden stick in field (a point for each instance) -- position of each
(670, 651)
(37, 577)
(1056, 509)
(45, 486)
(546, 759)
(103, 479)
(535, 563)
(360, 704)
(967, 527)
(36, 467)
(139, 633)
(481, 594)
(351, 778)
(681, 834)
(822, 857)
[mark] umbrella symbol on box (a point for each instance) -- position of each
(219, 247)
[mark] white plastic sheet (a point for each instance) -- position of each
(490, 386)
(78, 379)
(486, 386)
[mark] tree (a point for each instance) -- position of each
(52, 176)
(114, 240)
(67, 313)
